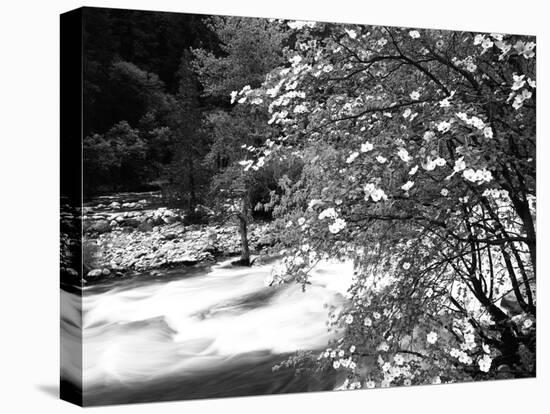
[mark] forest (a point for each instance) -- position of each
(409, 153)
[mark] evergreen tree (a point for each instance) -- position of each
(187, 175)
(250, 49)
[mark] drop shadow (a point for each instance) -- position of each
(51, 390)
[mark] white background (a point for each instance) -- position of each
(29, 177)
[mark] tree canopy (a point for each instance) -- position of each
(425, 140)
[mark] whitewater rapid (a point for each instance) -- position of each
(203, 322)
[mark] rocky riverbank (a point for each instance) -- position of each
(170, 245)
(122, 238)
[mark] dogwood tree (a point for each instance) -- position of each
(419, 166)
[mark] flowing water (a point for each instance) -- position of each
(204, 332)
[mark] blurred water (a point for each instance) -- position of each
(216, 333)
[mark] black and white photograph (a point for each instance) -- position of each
(276, 206)
(253, 205)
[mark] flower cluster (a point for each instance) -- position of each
(366, 147)
(404, 155)
(376, 194)
(337, 225)
(338, 359)
(477, 176)
(485, 363)
(352, 157)
(407, 186)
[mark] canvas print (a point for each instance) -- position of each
(255, 206)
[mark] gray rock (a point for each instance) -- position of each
(106, 272)
(186, 260)
(130, 222)
(168, 213)
(200, 209)
(170, 236)
(170, 219)
(100, 226)
(72, 272)
(210, 248)
(157, 221)
(145, 227)
(206, 256)
(94, 273)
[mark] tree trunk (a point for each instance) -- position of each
(243, 231)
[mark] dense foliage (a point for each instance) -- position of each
(136, 71)
(425, 142)
(251, 49)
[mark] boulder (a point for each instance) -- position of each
(114, 205)
(171, 219)
(156, 221)
(168, 213)
(203, 210)
(105, 272)
(145, 227)
(185, 259)
(169, 236)
(131, 222)
(72, 272)
(94, 273)
(210, 249)
(205, 256)
(100, 226)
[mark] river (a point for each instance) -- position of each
(200, 332)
